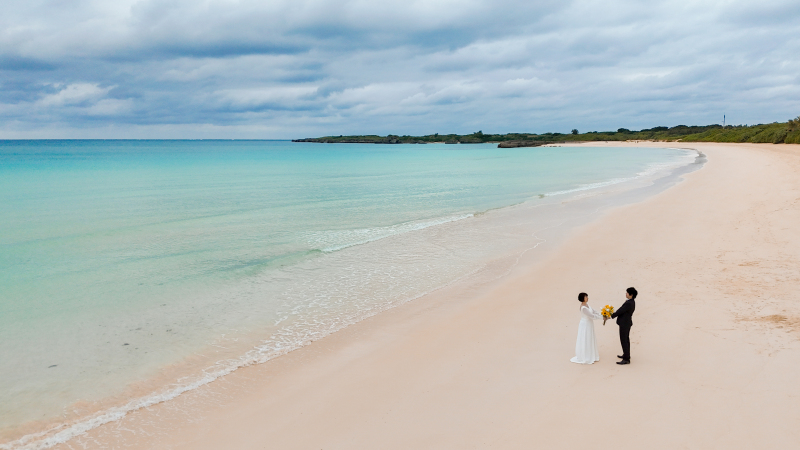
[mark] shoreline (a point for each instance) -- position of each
(453, 303)
(144, 394)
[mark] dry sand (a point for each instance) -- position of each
(715, 343)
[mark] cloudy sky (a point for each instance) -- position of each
(299, 68)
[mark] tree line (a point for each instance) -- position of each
(775, 133)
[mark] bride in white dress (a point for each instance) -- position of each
(586, 347)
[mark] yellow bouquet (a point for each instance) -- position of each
(607, 311)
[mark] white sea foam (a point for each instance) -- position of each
(650, 171)
(332, 241)
(282, 342)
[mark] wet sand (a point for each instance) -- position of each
(715, 342)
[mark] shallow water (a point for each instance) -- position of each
(119, 258)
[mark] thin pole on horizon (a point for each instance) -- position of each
(723, 121)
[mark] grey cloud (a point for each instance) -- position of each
(283, 69)
(14, 62)
(766, 14)
(152, 28)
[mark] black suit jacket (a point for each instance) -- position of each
(624, 313)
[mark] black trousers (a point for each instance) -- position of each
(625, 340)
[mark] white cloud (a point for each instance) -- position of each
(110, 107)
(75, 94)
(284, 95)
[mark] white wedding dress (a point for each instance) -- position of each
(586, 347)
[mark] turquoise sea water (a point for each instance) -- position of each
(119, 258)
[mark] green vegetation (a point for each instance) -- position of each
(775, 133)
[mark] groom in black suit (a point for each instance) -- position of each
(623, 316)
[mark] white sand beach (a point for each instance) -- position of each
(715, 343)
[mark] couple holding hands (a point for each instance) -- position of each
(586, 347)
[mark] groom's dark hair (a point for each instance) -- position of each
(582, 296)
(632, 291)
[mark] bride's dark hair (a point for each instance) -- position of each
(632, 292)
(582, 296)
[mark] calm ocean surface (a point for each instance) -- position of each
(121, 258)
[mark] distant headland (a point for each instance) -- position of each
(775, 133)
